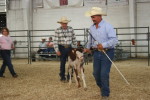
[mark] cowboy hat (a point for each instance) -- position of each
(63, 20)
(95, 11)
(43, 38)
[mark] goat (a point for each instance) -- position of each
(75, 63)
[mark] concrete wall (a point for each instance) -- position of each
(143, 20)
(19, 18)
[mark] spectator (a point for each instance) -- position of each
(42, 46)
(50, 45)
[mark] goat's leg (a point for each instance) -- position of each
(83, 78)
(77, 77)
(70, 72)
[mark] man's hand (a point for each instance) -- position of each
(100, 47)
(58, 53)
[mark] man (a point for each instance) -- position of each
(42, 46)
(102, 39)
(64, 37)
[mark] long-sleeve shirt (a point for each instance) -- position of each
(104, 34)
(64, 37)
(42, 45)
(6, 43)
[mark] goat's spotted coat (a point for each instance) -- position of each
(76, 62)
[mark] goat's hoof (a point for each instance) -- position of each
(79, 86)
(85, 88)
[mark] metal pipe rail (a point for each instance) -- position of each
(84, 31)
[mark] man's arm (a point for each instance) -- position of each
(74, 41)
(56, 39)
(56, 36)
(112, 38)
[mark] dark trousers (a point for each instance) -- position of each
(5, 54)
(101, 70)
(63, 58)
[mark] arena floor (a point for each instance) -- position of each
(40, 81)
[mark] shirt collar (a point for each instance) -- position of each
(100, 24)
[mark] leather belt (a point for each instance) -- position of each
(105, 49)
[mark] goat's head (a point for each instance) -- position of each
(76, 54)
(79, 55)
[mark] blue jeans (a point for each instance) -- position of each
(6, 62)
(101, 70)
(63, 58)
(50, 50)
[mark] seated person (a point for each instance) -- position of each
(42, 46)
(79, 45)
(50, 46)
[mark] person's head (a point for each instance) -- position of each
(64, 22)
(64, 25)
(5, 31)
(50, 38)
(96, 19)
(43, 40)
(78, 43)
(96, 14)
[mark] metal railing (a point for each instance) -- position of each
(83, 34)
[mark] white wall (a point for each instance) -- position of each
(46, 18)
(143, 20)
(17, 20)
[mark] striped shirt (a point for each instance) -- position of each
(64, 37)
(6, 43)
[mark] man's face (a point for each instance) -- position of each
(64, 25)
(43, 40)
(96, 19)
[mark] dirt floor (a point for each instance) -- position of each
(40, 81)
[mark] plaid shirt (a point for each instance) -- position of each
(64, 37)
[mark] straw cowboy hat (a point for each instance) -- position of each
(43, 38)
(95, 11)
(63, 20)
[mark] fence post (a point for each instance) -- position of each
(28, 46)
(148, 48)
